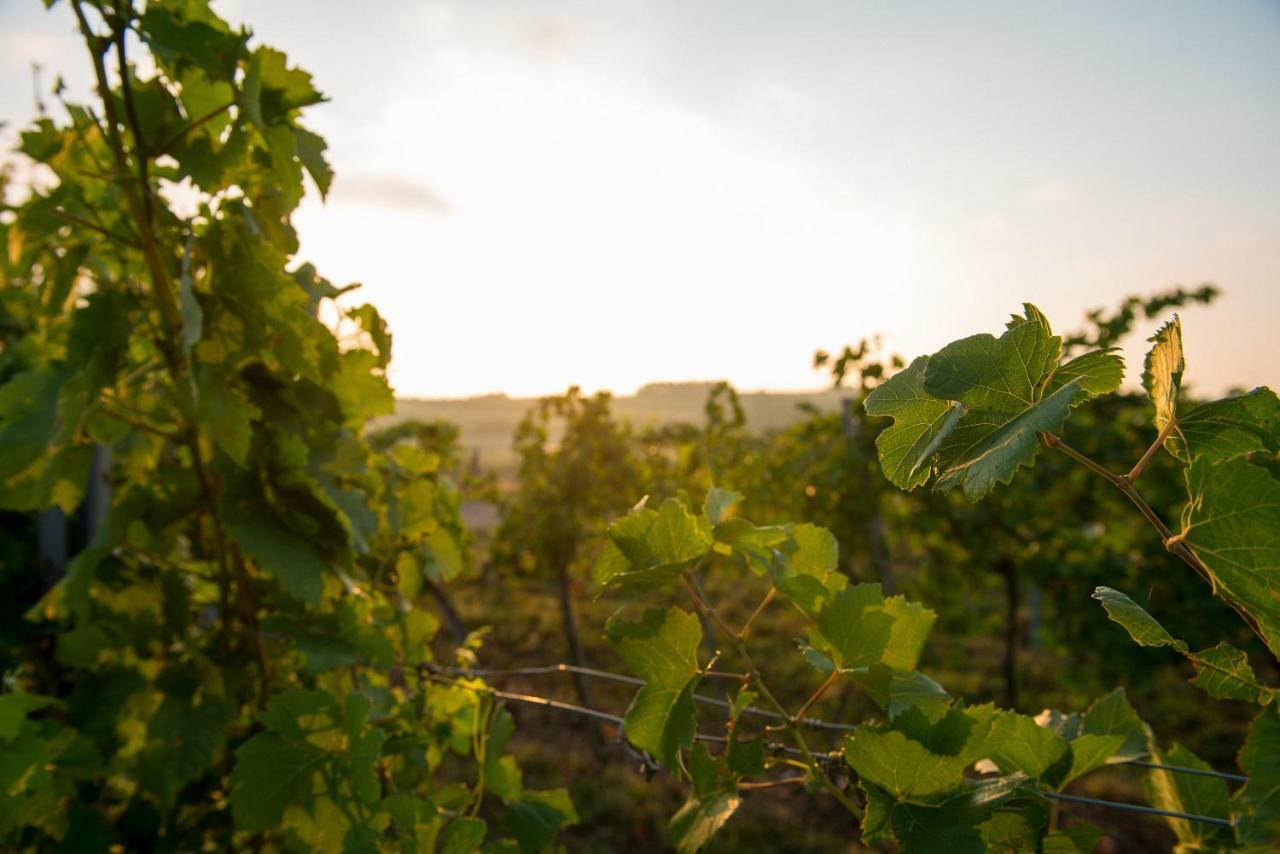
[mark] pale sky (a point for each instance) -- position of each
(538, 194)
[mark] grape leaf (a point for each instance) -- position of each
(534, 819)
(1088, 753)
(1112, 715)
(861, 627)
(1232, 523)
(1141, 626)
(1098, 372)
(816, 550)
(271, 772)
(662, 649)
(1018, 744)
(721, 504)
(1198, 794)
(463, 836)
(920, 423)
(904, 768)
(1227, 428)
(1256, 807)
(1077, 839)
(987, 446)
(652, 547)
(1223, 671)
(14, 708)
(282, 553)
(712, 802)
(983, 816)
(999, 374)
(1162, 371)
(898, 691)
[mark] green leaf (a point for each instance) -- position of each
(1190, 793)
(1030, 314)
(1003, 400)
(904, 768)
(1018, 743)
(1077, 839)
(700, 818)
(1256, 806)
(961, 731)
(920, 423)
(1223, 672)
(1228, 428)
(280, 552)
(999, 374)
(1162, 371)
(988, 446)
(662, 649)
(15, 707)
(1141, 626)
(861, 628)
(1098, 372)
(183, 740)
(228, 416)
(721, 504)
(300, 712)
(1002, 814)
(535, 819)
(271, 772)
(1112, 715)
(1232, 523)
(192, 314)
(462, 836)
(898, 691)
(1089, 752)
(656, 547)
(816, 550)
(677, 536)
(311, 148)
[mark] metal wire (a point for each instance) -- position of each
(809, 723)
(545, 702)
(548, 669)
(1120, 805)
(1184, 769)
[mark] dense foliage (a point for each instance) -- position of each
(236, 657)
(245, 650)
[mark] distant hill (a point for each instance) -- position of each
(487, 423)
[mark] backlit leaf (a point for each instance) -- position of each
(662, 649)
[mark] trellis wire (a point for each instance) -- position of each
(1183, 769)
(546, 669)
(1097, 802)
(546, 702)
(810, 723)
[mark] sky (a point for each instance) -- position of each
(538, 194)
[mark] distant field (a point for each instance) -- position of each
(488, 423)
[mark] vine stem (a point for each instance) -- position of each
(1141, 465)
(815, 696)
(163, 148)
(700, 600)
(93, 226)
(137, 424)
(169, 338)
(771, 784)
(764, 603)
(1174, 543)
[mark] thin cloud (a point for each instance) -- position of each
(387, 191)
